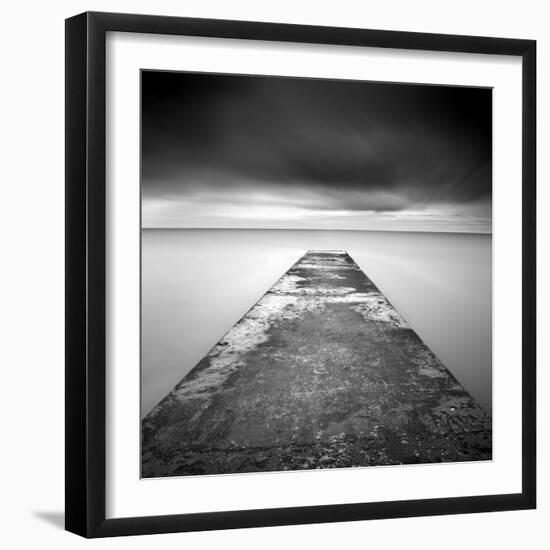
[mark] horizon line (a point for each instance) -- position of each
(317, 229)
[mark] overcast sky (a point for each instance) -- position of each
(269, 152)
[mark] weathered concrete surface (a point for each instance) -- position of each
(322, 372)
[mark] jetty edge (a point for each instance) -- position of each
(322, 372)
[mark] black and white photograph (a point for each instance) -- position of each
(275, 275)
(316, 273)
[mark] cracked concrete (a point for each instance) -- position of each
(322, 372)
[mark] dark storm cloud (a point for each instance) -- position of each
(320, 144)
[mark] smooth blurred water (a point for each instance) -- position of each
(197, 283)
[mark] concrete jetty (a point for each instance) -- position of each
(322, 372)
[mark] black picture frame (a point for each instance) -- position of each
(86, 275)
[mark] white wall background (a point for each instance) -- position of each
(32, 260)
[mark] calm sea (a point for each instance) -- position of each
(197, 283)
